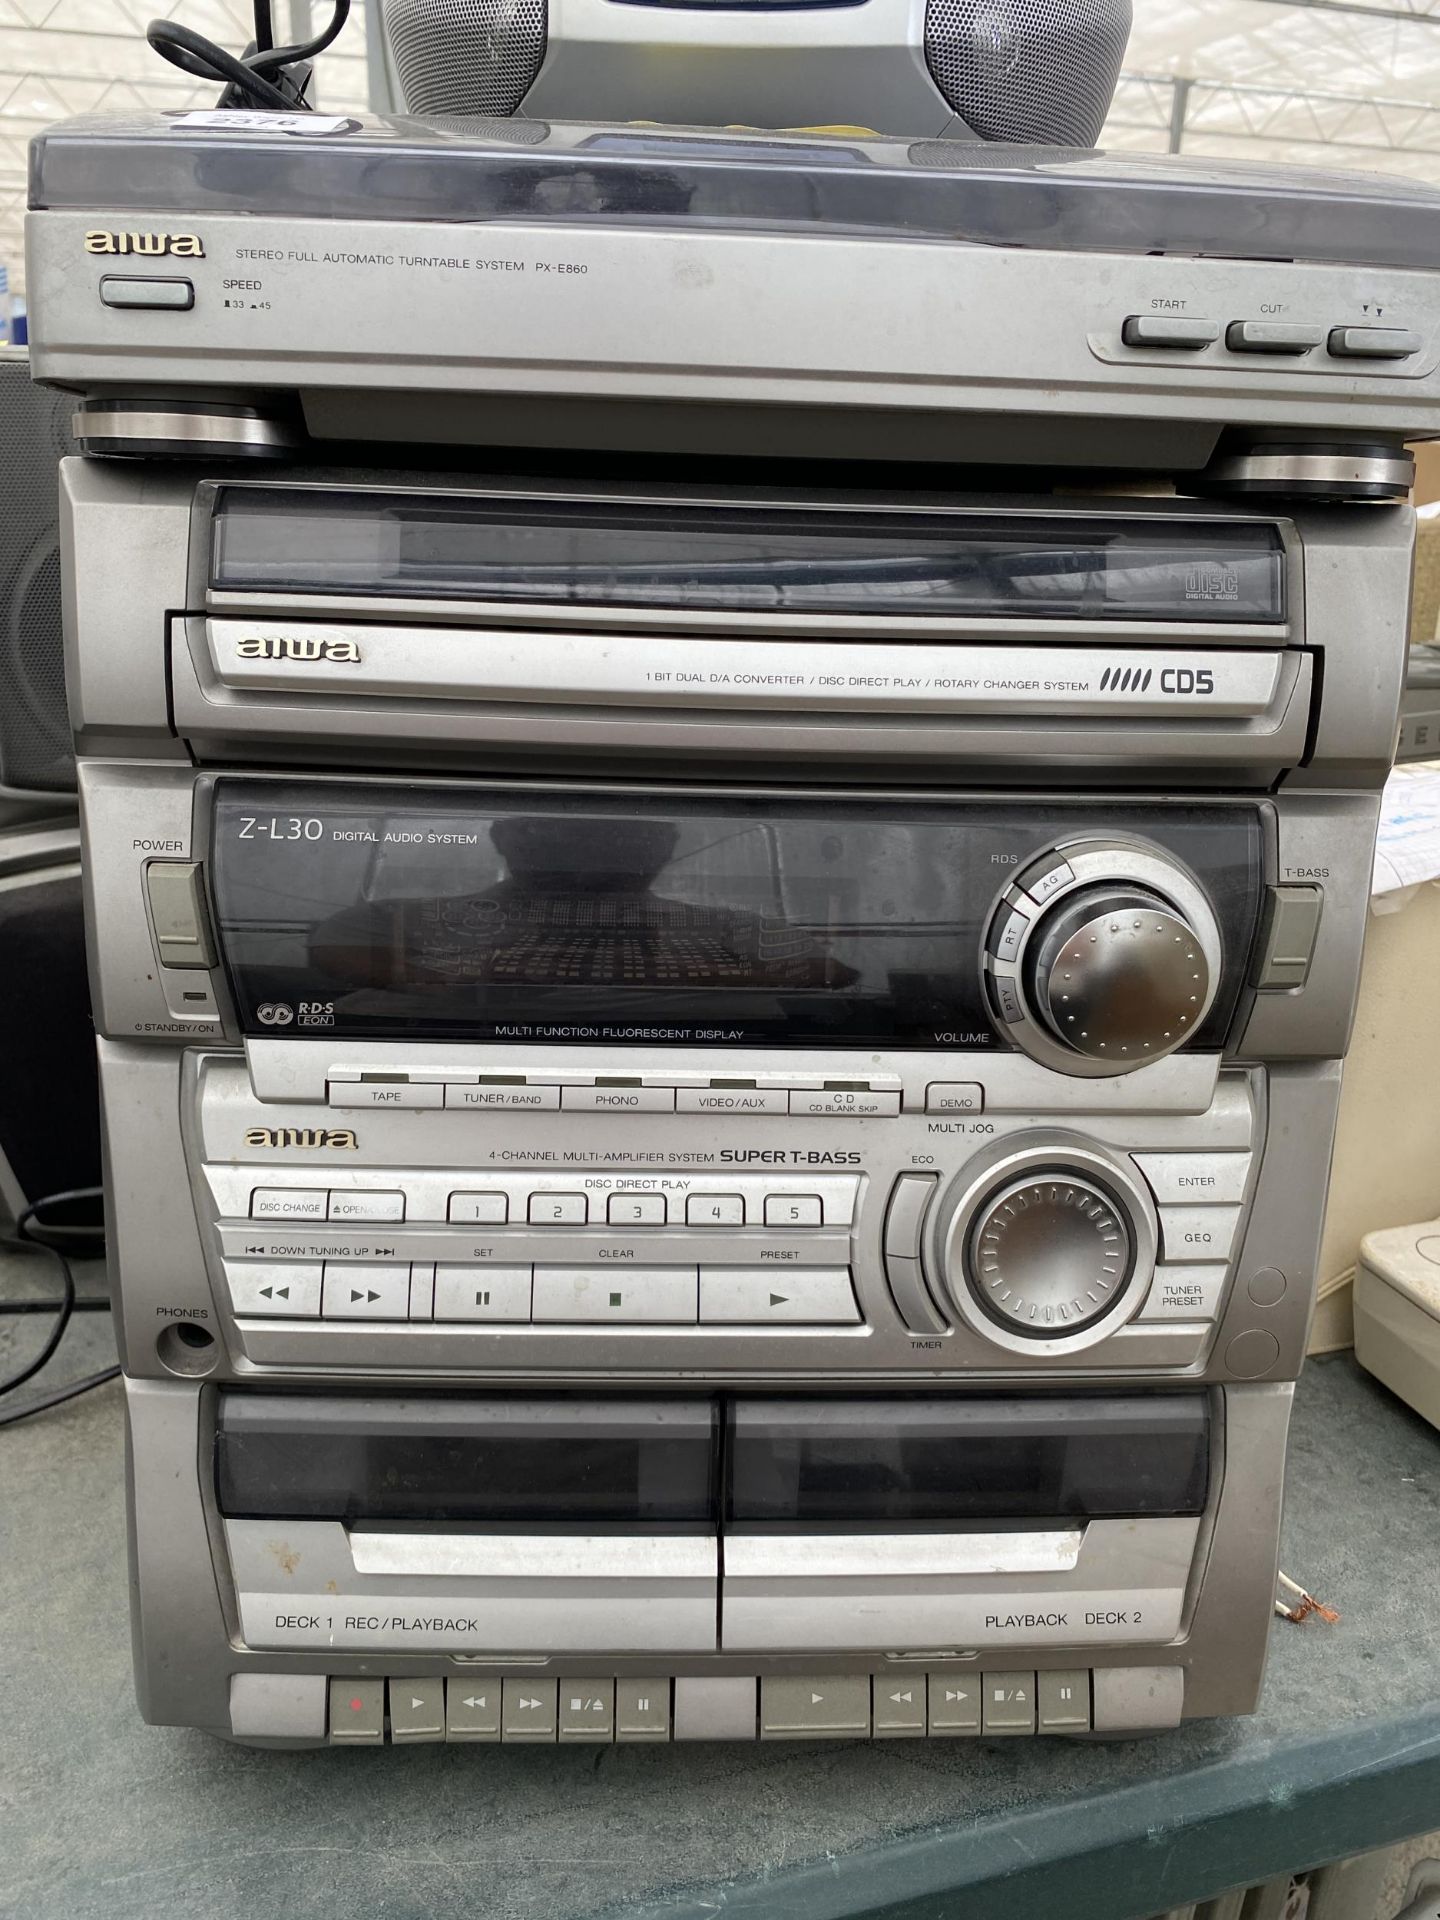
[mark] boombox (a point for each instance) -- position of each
(719, 1059)
(958, 69)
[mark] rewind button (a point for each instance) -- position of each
(899, 1706)
(472, 1709)
(274, 1288)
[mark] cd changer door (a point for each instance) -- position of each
(1192, 701)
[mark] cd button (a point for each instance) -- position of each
(635, 1210)
(288, 1203)
(618, 1099)
(366, 1290)
(480, 1292)
(797, 1296)
(794, 1210)
(954, 1096)
(348, 1204)
(557, 1210)
(714, 1210)
(291, 1288)
(480, 1209)
(846, 1103)
(1198, 1233)
(643, 1296)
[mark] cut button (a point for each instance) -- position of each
(1271, 336)
(1175, 332)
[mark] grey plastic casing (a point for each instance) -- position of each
(671, 290)
(157, 719)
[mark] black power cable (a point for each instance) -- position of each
(40, 1238)
(264, 76)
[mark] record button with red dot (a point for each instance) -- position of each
(357, 1713)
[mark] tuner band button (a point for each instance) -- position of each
(1049, 1254)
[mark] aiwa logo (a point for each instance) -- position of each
(184, 246)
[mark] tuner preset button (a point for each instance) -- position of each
(1049, 1254)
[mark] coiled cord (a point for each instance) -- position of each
(262, 76)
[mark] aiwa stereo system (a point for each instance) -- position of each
(719, 1062)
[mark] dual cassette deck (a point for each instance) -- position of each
(719, 1073)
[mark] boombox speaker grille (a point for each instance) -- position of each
(466, 56)
(1028, 70)
(35, 750)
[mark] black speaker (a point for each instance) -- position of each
(35, 750)
(49, 1099)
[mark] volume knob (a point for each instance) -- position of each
(1117, 975)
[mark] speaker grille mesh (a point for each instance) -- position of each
(1033, 70)
(466, 56)
(35, 749)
